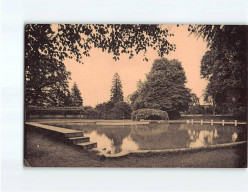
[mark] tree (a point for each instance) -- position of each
(105, 110)
(226, 83)
(164, 88)
(44, 71)
(136, 97)
(225, 65)
(231, 38)
(67, 102)
(194, 105)
(76, 98)
(45, 80)
(58, 97)
(122, 110)
(116, 90)
(194, 99)
(46, 46)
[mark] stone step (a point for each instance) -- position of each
(74, 134)
(77, 140)
(87, 145)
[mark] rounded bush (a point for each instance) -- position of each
(149, 114)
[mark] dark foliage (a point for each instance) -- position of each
(164, 89)
(225, 65)
(76, 98)
(91, 113)
(116, 89)
(120, 110)
(55, 111)
(196, 109)
(149, 114)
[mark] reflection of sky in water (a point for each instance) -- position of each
(122, 138)
(129, 144)
(234, 136)
(102, 140)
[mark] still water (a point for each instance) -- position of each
(120, 138)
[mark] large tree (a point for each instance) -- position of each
(116, 90)
(225, 65)
(46, 78)
(164, 88)
(46, 82)
(45, 44)
(76, 98)
(58, 97)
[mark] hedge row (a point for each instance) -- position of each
(53, 111)
(149, 114)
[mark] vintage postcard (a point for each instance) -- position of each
(134, 95)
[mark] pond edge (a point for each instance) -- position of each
(102, 153)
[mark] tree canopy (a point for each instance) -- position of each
(164, 88)
(46, 81)
(46, 46)
(225, 65)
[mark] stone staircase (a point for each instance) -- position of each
(79, 140)
(70, 136)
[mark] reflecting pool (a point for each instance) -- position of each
(120, 138)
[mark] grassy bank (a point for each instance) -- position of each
(42, 151)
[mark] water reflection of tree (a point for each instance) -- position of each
(151, 129)
(116, 134)
(203, 135)
(202, 138)
(159, 136)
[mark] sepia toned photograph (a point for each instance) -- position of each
(135, 95)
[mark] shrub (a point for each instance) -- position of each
(173, 115)
(196, 109)
(122, 110)
(210, 109)
(91, 113)
(111, 111)
(151, 114)
(104, 110)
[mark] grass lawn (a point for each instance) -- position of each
(42, 151)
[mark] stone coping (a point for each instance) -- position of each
(97, 122)
(52, 128)
(103, 153)
(130, 122)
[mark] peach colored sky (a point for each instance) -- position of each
(94, 77)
